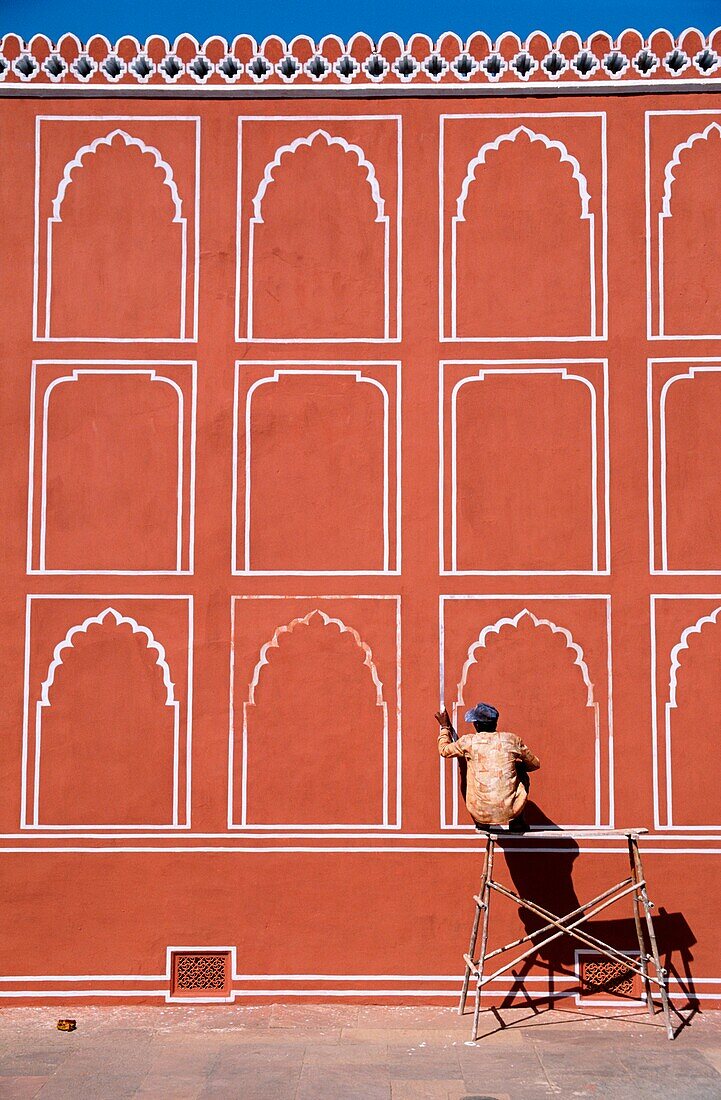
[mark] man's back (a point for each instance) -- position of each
(496, 783)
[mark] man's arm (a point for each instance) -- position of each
(530, 762)
(448, 743)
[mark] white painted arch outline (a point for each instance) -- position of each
(479, 160)
(44, 702)
(680, 647)
(105, 368)
(683, 644)
(392, 324)
(187, 325)
(263, 661)
(371, 179)
(293, 146)
(393, 773)
(654, 265)
(334, 368)
(693, 367)
(600, 529)
(495, 628)
(668, 181)
(168, 181)
(328, 620)
(532, 135)
(604, 818)
(108, 139)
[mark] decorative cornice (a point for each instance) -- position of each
(360, 63)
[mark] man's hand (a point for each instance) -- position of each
(443, 719)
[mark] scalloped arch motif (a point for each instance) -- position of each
(108, 139)
(68, 642)
(288, 628)
(533, 136)
(316, 135)
(361, 61)
(675, 162)
(495, 628)
(682, 645)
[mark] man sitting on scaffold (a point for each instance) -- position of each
(497, 766)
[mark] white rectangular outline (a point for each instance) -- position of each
(444, 778)
(650, 334)
(695, 364)
(543, 366)
(599, 335)
(239, 338)
(28, 827)
(589, 1002)
(191, 339)
(169, 999)
(327, 366)
(662, 753)
(292, 831)
(134, 367)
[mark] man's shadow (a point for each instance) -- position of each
(547, 880)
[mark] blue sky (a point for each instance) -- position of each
(318, 17)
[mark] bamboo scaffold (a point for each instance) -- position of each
(648, 963)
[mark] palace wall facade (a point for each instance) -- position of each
(331, 392)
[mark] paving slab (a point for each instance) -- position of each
(158, 1086)
(313, 1016)
(21, 1088)
(261, 1082)
(428, 1090)
(424, 1069)
(324, 1054)
(99, 1086)
(339, 1082)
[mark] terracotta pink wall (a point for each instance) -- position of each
(311, 404)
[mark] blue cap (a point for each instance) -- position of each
(482, 712)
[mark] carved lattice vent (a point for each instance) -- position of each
(200, 974)
(604, 979)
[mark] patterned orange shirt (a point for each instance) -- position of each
(496, 785)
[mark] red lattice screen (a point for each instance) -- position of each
(602, 979)
(200, 974)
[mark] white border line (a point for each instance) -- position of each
(587, 833)
(544, 986)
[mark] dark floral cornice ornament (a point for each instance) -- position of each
(390, 64)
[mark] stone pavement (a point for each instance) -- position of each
(314, 1052)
